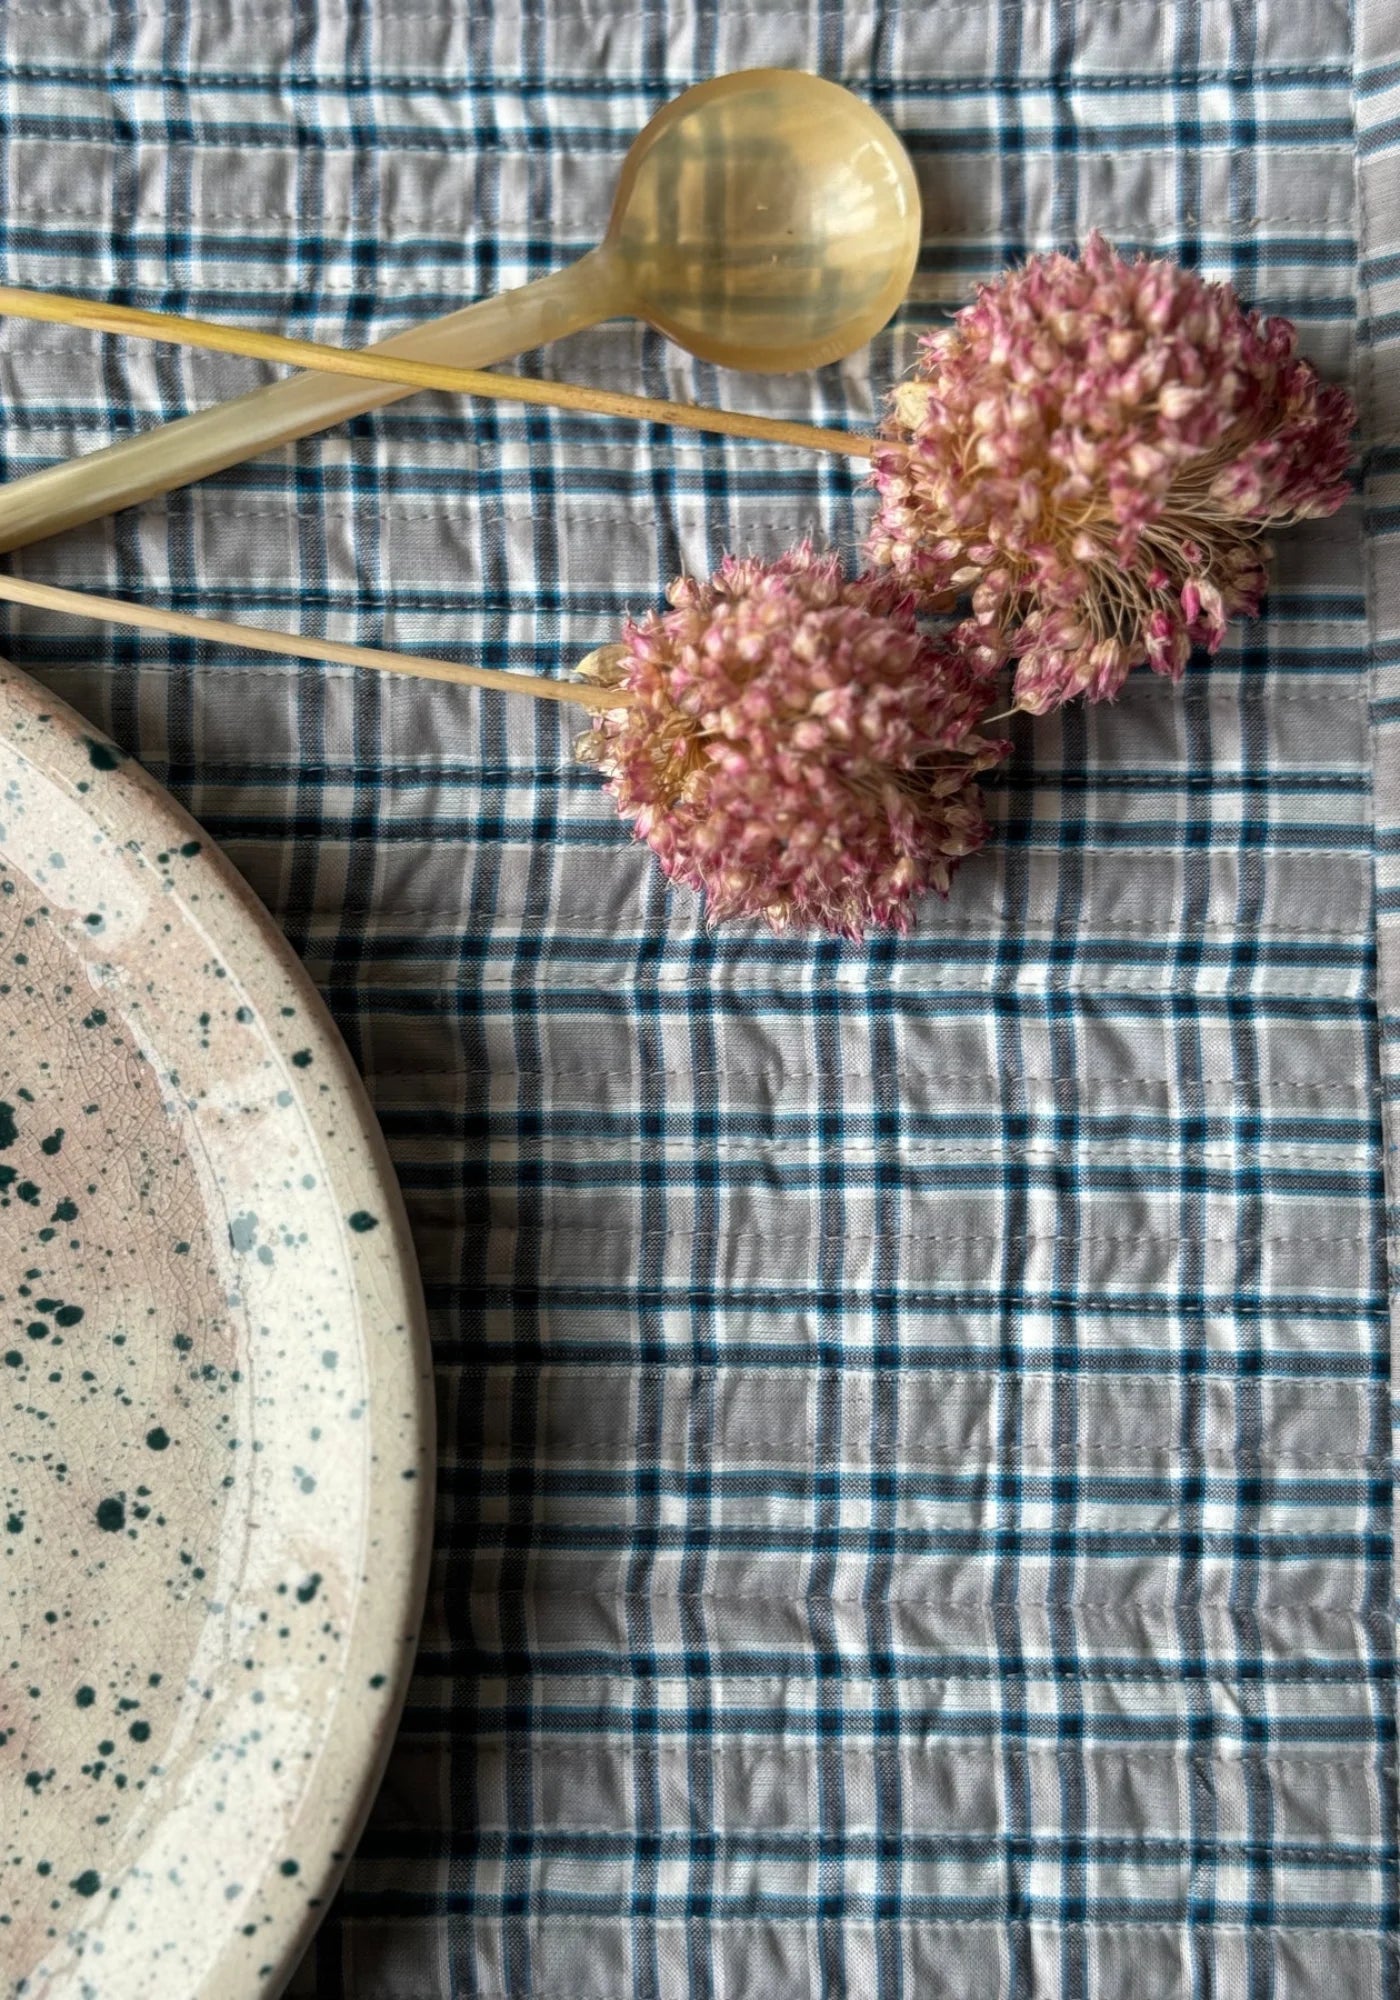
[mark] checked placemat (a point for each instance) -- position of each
(915, 1507)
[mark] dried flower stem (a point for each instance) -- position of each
(59, 309)
(223, 632)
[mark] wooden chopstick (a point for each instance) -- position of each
(222, 631)
(59, 309)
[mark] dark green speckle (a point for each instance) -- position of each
(362, 1221)
(103, 757)
(111, 1515)
(89, 1882)
(157, 1439)
(85, 1697)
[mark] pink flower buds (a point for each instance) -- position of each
(1093, 450)
(794, 746)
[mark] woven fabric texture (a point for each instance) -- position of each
(915, 1513)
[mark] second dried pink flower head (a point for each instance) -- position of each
(1094, 450)
(794, 745)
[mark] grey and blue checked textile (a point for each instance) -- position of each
(916, 1508)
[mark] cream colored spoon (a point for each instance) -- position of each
(766, 220)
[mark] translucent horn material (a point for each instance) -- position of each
(767, 220)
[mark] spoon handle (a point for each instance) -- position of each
(99, 483)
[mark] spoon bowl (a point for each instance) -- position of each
(765, 220)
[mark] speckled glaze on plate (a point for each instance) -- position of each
(216, 1435)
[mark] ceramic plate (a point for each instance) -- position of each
(215, 1407)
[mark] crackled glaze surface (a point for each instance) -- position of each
(215, 1414)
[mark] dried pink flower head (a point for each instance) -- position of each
(1095, 448)
(794, 746)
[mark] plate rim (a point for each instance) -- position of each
(361, 1737)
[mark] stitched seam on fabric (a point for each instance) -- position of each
(909, 94)
(554, 1927)
(1226, 1151)
(79, 272)
(779, 1079)
(1053, 1926)
(1138, 852)
(1368, 382)
(1088, 931)
(496, 978)
(732, 1234)
(472, 520)
(757, 13)
(610, 17)
(468, 517)
(549, 1451)
(1261, 1607)
(595, 920)
(1136, 1848)
(445, 509)
(1362, 1764)
(453, 225)
(390, 84)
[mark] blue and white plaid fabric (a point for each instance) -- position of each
(916, 1510)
